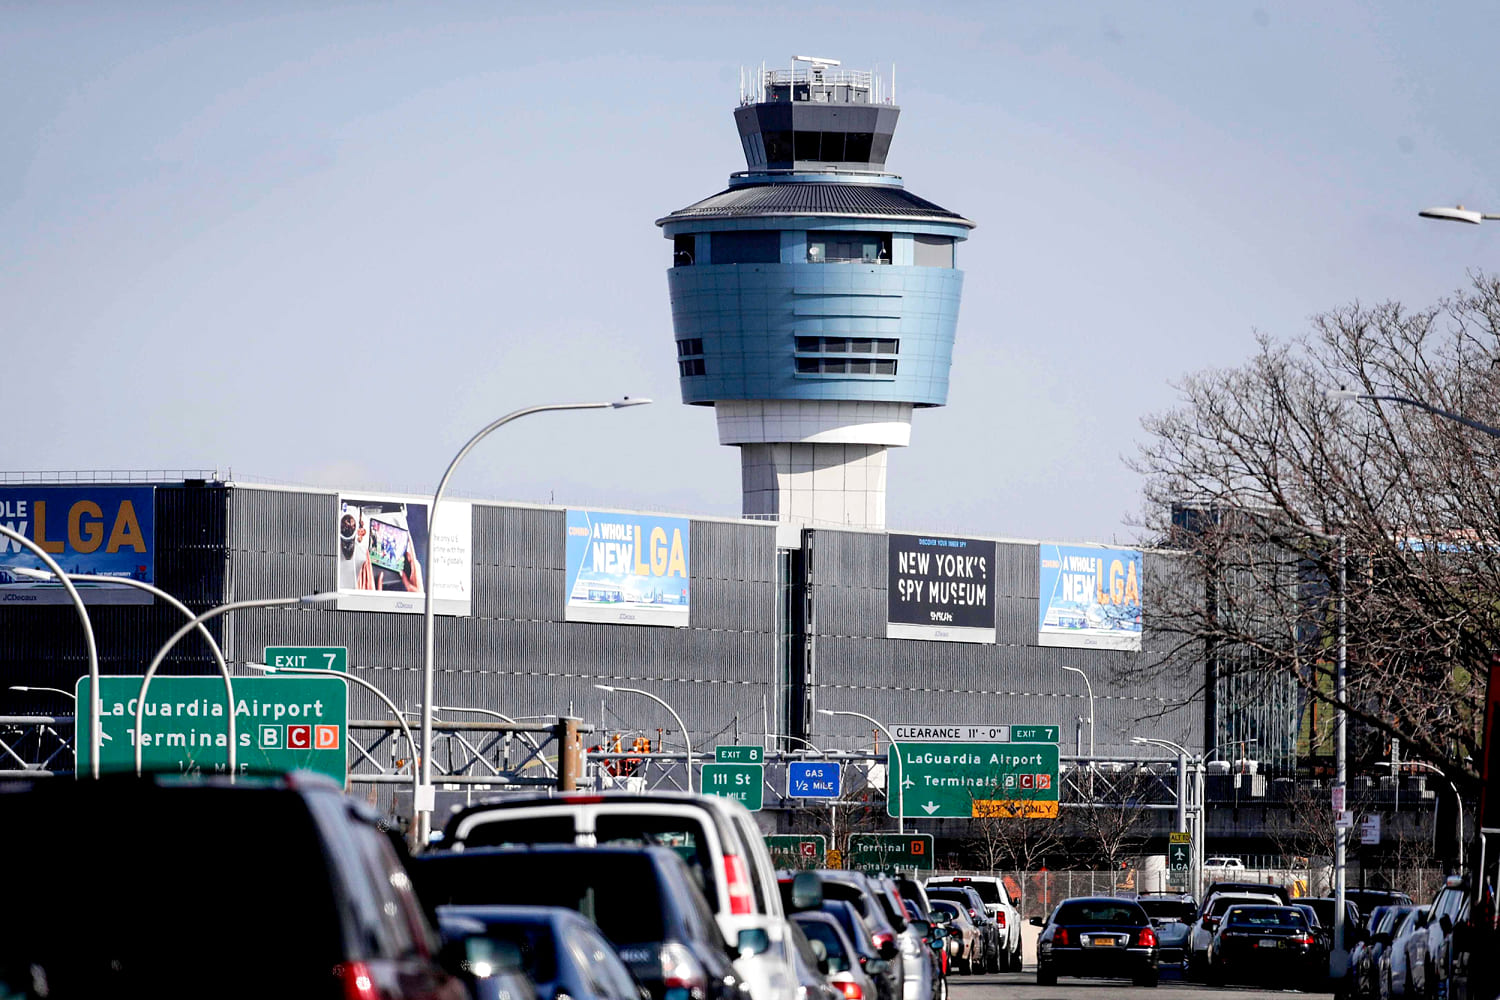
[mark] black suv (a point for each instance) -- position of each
(167, 886)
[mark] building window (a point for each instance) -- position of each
(756, 247)
(932, 251)
(684, 250)
(692, 366)
(778, 148)
(845, 345)
(858, 248)
(688, 348)
(843, 366)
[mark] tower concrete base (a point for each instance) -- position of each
(839, 485)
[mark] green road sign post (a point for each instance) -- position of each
(745, 782)
(798, 850)
(1179, 852)
(335, 658)
(282, 724)
(967, 780)
(889, 851)
(739, 755)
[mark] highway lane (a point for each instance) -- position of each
(1022, 986)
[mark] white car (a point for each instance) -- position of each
(1223, 865)
(1001, 908)
(716, 836)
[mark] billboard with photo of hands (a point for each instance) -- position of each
(381, 551)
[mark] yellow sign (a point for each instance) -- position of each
(834, 859)
(1179, 838)
(1014, 809)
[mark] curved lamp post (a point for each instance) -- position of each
(1090, 686)
(527, 737)
(208, 637)
(197, 622)
(422, 792)
(88, 639)
(1456, 213)
(685, 737)
(900, 762)
(31, 687)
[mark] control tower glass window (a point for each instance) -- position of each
(758, 247)
(932, 251)
(684, 250)
(858, 248)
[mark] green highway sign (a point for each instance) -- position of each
(886, 851)
(281, 724)
(1179, 852)
(798, 850)
(739, 755)
(1033, 734)
(968, 780)
(745, 782)
(335, 658)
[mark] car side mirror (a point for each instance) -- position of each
(1421, 920)
(807, 891)
(922, 927)
(890, 950)
(1038, 922)
(752, 941)
(938, 933)
(1446, 923)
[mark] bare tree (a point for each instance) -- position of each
(1112, 814)
(1258, 474)
(1009, 833)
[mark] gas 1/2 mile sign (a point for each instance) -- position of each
(971, 780)
(281, 724)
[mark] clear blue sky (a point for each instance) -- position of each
(325, 243)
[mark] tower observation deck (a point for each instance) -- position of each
(815, 299)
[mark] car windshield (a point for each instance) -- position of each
(988, 891)
(527, 945)
(1100, 912)
(1222, 903)
(946, 906)
(853, 926)
(1168, 909)
(817, 930)
(1264, 916)
(611, 888)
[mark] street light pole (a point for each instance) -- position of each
(685, 737)
(208, 637)
(1088, 684)
(422, 804)
(197, 622)
(900, 763)
(95, 722)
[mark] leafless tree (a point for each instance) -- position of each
(1258, 472)
(1112, 815)
(1007, 833)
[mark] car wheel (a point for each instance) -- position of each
(995, 962)
(1147, 979)
(1045, 976)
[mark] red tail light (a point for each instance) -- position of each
(1060, 937)
(851, 991)
(882, 939)
(1304, 939)
(1210, 922)
(1147, 938)
(1000, 916)
(973, 913)
(680, 970)
(357, 982)
(741, 900)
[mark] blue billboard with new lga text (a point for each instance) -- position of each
(96, 530)
(1090, 597)
(627, 569)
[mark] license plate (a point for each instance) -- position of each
(1267, 944)
(1103, 942)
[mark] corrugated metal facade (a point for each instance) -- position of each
(1013, 681)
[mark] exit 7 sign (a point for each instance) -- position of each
(335, 658)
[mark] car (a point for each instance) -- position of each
(1200, 936)
(716, 836)
(1322, 935)
(969, 951)
(989, 928)
(1364, 960)
(1394, 978)
(869, 899)
(1282, 894)
(844, 969)
(1259, 943)
(1168, 909)
(1000, 906)
(553, 950)
(1448, 909)
(267, 886)
(643, 899)
(1097, 936)
(811, 965)
(874, 959)
(1368, 899)
(1223, 864)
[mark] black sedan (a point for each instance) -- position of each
(1097, 937)
(1259, 943)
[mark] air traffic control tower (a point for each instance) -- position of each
(814, 301)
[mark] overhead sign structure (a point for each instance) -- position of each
(628, 569)
(967, 780)
(97, 530)
(745, 782)
(739, 755)
(281, 724)
(335, 658)
(814, 779)
(940, 589)
(888, 851)
(974, 734)
(1090, 597)
(381, 544)
(798, 850)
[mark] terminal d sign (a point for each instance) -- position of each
(968, 780)
(281, 724)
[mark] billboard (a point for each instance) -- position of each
(1090, 597)
(381, 543)
(940, 588)
(627, 569)
(106, 530)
